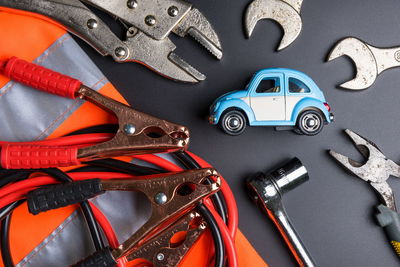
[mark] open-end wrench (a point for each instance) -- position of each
(376, 171)
(285, 12)
(370, 61)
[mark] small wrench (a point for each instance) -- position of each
(370, 61)
(285, 12)
(376, 170)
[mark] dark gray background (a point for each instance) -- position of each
(333, 212)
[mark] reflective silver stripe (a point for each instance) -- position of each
(71, 242)
(27, 114)
(126, 211)
(51, 251)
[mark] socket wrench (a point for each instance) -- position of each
(267, 191)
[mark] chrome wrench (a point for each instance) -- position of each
(370, 61)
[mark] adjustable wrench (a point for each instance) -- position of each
(285, 12)
(370, 61)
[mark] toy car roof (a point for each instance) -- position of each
(282, 70)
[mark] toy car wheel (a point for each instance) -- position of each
(310, 122)
(233, 122)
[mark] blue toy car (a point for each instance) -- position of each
(284, 98)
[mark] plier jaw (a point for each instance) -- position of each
(366, 148)
(159, 56)
(375, 170)
(196, 25)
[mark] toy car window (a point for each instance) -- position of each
(269, 85)
(297, 86)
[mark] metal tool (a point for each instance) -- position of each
(376, 170)
(285, 12)
(148, 23)
(160, 251)
(370, 61)
(138, 133)
(267, 191)
(170, 197)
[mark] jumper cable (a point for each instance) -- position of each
(138, 133)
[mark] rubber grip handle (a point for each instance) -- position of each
(389, 220)
(62, 195)
(41, 78)
(27, 156)
(102, 258)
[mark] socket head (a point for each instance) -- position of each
(266, 190)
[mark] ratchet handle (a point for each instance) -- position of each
(40, 78)
(101, 258)
(26, 156)
(62, 195)
(389, 220)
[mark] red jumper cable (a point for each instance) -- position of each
(174, 137)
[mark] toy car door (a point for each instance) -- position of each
(267, 98)
(297, 89)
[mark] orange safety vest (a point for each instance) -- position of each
(58, 237)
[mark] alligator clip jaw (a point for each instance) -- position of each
(161, 251)
(138, 133)
(170, 197)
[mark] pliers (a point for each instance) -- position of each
(148, 24)
(376, 171)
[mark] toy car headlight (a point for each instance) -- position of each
(214, 106)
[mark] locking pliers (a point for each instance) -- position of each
(376, 170)
(148, 23)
